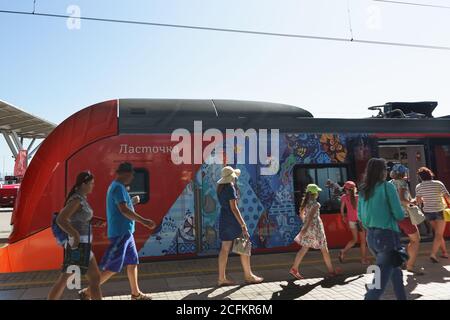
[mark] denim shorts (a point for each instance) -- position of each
(433, 216)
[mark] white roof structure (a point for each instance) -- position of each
(24, 124)
(17, 125)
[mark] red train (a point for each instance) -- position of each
(181, 197)
(8, 192)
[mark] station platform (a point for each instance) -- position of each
(195, 279)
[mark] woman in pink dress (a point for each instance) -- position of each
(312, 234)
(349, 203)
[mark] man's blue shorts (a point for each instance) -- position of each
(122, 251)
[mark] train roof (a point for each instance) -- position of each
(165, 115)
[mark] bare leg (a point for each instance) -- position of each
(245, 261)
(104, 276)
(93, 274)
(443, 247)
(327, 259)
(132, 272)
(351, 243)
(223, 259)
(363, 246)
(58, 288)
(299, 257)
(439, 227)
(413, 249)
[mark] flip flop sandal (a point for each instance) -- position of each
(416, 272)
(434, 260)
(444, 256)
(335, 273)
(294, 272)
(82, 294)
(141, 296)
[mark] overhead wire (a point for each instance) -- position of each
(230, 30)
(413, 4)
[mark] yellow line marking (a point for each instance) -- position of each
(172, 273)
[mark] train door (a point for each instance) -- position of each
(412, 155)
(330, 178)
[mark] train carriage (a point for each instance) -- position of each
(181, 198)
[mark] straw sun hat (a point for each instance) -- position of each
(229, 175)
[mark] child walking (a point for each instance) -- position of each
(349, 203)
(312, 234)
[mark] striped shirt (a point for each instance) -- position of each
(432, 192)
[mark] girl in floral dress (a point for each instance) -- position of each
(312, 234)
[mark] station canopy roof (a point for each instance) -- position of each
(24, 124)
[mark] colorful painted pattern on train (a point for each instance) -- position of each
(267, 202)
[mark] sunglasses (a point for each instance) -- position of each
(88, 176)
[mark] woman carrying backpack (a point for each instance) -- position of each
(75, 219)
(379, 210)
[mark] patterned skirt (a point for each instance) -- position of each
(314, 237)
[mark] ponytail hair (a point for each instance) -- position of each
(82, 177)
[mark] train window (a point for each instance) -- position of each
(140, 185)
(330, 178)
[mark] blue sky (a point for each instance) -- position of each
(52, 71)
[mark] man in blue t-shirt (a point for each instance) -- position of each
(121, 219)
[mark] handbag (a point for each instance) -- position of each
(79, 256)
(400, 255)
(242, 246)
(446, 210)
(415, 214)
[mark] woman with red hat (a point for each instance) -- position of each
(349, 212)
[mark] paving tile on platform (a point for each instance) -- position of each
(11, 294)
(36, 293)
(183, 282)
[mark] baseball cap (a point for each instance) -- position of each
(349, 185)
